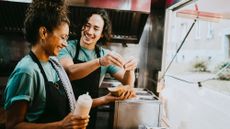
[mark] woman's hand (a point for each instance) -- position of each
(74, 122)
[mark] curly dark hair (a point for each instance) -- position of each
(47, 13)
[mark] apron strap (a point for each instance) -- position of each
(35, 59)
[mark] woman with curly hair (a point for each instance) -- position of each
(38, 94)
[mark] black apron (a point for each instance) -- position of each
(88, 84)
(57, 103)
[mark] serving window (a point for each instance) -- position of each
(197, 44)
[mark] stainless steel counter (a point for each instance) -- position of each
(145, 110)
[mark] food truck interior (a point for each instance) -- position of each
(137, 30)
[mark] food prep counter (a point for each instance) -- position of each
(138, 113)
(144, 110)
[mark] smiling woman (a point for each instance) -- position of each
(57, 38)
(40, 81)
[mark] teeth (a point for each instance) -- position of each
(87, 36)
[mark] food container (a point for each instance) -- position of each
(145, 109)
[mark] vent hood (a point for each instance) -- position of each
(128, 16)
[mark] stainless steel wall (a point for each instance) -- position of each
(151, 43)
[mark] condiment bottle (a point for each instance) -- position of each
(83, 105)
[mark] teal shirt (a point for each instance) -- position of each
(87, 55)
(26, 83)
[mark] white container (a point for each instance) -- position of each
(83, 105)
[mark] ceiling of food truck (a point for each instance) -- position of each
(128, 16)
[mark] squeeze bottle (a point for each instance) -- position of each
(83, 105)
